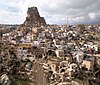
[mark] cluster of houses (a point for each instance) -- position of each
(68, 54)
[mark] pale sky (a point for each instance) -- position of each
(54, 11)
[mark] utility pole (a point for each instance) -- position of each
(67, 20)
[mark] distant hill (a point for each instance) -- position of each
(6, 28)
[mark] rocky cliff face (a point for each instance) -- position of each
(33, 18)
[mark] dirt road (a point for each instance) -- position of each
(39, 77)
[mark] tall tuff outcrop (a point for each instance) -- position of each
(33, 18)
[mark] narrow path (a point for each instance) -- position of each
(39, 78)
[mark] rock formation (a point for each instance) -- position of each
(33, 18)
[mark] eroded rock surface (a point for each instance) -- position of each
(33, 18)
